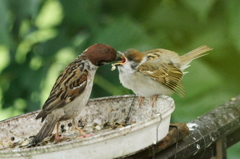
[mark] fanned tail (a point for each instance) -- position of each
(194, 54)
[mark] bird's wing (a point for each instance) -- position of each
(164, 73)
(70, 84)
(161, 54)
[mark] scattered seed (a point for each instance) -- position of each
(113, 67)
(80, 124)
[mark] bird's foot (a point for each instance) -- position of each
(58, 137)
(154, 100)
(83, 134)
(140, 100)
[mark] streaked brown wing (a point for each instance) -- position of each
(160, 54)
(166, 74)
(69, 85)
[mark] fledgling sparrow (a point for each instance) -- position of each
(72, 89)
(155, 72)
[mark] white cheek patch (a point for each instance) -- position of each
(144, 60)
(128, 68)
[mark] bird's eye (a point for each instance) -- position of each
(130, 58)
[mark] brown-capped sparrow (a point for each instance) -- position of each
(72, 89)
(155, 72)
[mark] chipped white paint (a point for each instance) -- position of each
(192, 126)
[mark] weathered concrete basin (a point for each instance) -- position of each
(148, 125)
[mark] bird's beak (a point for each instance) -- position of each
(121, 60)
(119, 56)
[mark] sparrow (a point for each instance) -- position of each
(155, 72)
(72, 90)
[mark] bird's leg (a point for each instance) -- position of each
(75, 126)
(140, 100)
(154, 99)
(57, 137)
(83, 133)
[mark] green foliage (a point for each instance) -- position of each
(38, 38)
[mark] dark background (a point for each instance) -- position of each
(39, 38)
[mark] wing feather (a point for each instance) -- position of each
(160, 55)
(69, 85)
(166, 74)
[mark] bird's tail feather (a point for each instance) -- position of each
(194, 54)
(45, 131)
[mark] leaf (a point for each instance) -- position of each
(5, 37)
(24, 8)
(233, 15)
(200, 7)
(200, 78)
(123, 33)
(47, 18)
(79, 14)
(188, 110)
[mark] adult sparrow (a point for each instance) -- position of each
(72, 89)
(155, 72)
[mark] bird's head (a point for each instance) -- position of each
(131, 59)
(100, 54)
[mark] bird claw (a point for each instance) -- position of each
(57, 137)
(85, 135)
(140, 100)
(154, 100)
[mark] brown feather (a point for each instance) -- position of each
(72, 88)
(65, 87)
(48, 126)
(160, 55)
(99, 52)
(134, 54)
(161, 65)
(194, 54)
(166, 74)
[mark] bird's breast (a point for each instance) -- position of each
(74, 108)
(142, 85)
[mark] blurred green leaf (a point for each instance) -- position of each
(200, 7)
(47, 18)
(189, 109)
(202, 76)
(123, 33)
(24, 8)
(4, 30)
(233, 14)
(80, 14)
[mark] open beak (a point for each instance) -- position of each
(122, 59)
